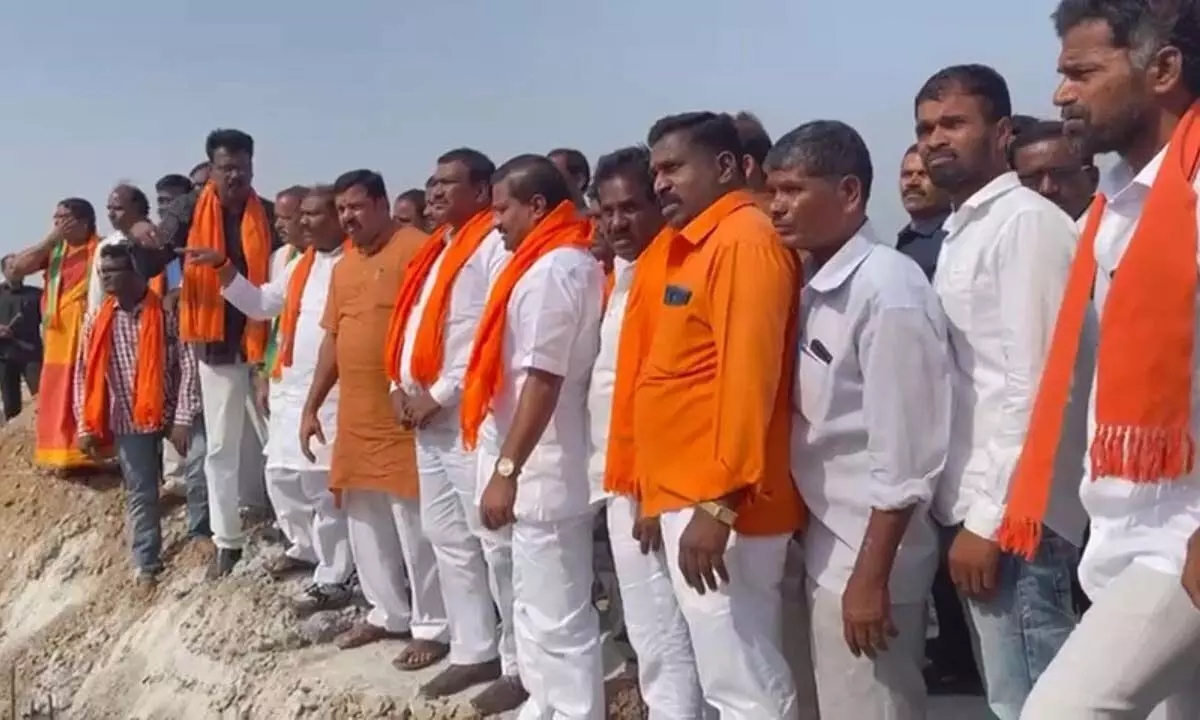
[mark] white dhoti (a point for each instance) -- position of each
(737, 630)
(1136, 650)
(555, 623)
(797, 626)
(384, 528)
(657, 630)
(312, 522)
(224, 392)
(889, 686)
(474, 565)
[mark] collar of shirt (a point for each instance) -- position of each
(925, 228)
(703, 224)
(838, 269)
(1000, 185)
(1120, 184)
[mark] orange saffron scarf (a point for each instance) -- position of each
(158, 284)
(1145, 356)
(485, 371)
(429, 347)
(149, 377)
(637, 332)
(290, 316)
(201, 305)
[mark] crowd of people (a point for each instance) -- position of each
(697, 381)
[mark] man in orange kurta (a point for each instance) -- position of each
(374, 469)
(712, 416)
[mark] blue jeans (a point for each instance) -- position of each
(197, 487)
(140, 458)
(1021, 628)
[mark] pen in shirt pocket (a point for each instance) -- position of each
(818, 351)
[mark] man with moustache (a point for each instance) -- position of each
(1050, 163)
(711, 417)
(409, 209)
(927, 208)
(225, 215)
(315, 527)
(437, 309)
(634, 225)
(528, 371)
(1000, 276)
(1130, 82)
(866, 450)
(127, 205)
(373, 469)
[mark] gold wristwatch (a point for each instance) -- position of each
(723, 514)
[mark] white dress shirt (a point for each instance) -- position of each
(95, 294)
(289, 393)
(1146, 523)
(873, 401)
(1001, 276)
(552, 324)
(604, 375)
(468, 297)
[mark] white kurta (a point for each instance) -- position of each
(289, 393)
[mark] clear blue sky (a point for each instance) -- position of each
(96, 93)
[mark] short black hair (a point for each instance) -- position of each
(82, 211)
(296, 191)
(137, 198)
(531, 175)
(206, 165)
(1021, 123)
(174, 183)
(130, 252)
(414, 196)
(370, 181)
(1143, 28)
(975, 80)
(912, 150)
(825, 148)
(229, 140)
(577, 164)
(716, 132)
(755, 141)
(1041, 131)
(628, 162)
(480, 168)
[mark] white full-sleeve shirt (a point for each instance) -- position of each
(1001, 276)
(468, 297)
(288, 394)
(872, 411)
(604, 375)
(1146, 523)
(553, 325)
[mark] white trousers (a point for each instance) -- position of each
(313, 524)
(656, 627)
(615, 657)
(224, 392)
(1136, 648)
(737, 630)
(797, 626)
(555, 623)
(384, 530)
(890, 687)
(474, 564)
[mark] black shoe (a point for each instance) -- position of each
(223, 563)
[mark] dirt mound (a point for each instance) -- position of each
(76, 636)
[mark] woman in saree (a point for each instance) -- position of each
(65, 256)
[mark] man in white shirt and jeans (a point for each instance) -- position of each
(1131, 79)
(1000, 275)
(870, 430)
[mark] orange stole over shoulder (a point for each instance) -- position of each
(1143, 368)
(201, 305)
(429, 348)
(149, 377)
(637, 332)
(290, 316)
(563, 227)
